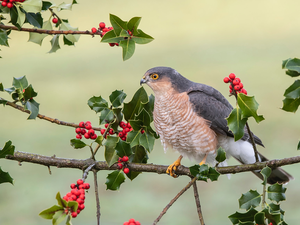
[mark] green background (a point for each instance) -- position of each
(204, 41)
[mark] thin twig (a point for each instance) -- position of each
(87, 170)
(174, 199)
(97, 197)
(253, 142)
(196, 195)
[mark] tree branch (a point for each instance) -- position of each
(97, 197)
(196, 195)
(41, 31)
(140, 167)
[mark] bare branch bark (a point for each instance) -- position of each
(196, 195)
(97, 197)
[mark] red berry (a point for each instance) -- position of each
(79, 181)
(4, 4)
(81, 124)
(126, 223)
(102, 131)
(83, 131)
(74, 191)
(121, 134)
(235, 82)
(112, 44)
(230, 91)
(128, 125)
(103, 33)
(102, 25)
(74, 197)
(110, 28)
(142, 131)
(94, 136)
(78, 136)
(86, 186)
(237, 87)
(80, 201)
(137, 223)
(73, 186)
(131, 220)
(86, 135)
(106, 125)
(125, 158)
(120, 166)
(126, 170)
(82, 191)
(226, 79)
(88, 122)
(78, 211)
(123, 138)
(117, 44)
(82, 196)
(74, 214)
(232, 76)
(126, 130)
(81, 206)
(94, 30)
(131, 223)
(69, 194)
(81, 186)
(244, 91)
(241, 85)
(120, 160)
(105, 29)
(91, 132)
(111, 131)
(9, 5)
(88, 126)
(122, 124)
(78, 130)
(54, 20)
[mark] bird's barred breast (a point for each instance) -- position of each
(180, 127)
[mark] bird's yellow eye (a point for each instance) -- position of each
(154, 76)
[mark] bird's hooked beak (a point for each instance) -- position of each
(143, 80)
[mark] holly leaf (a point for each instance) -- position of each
(107, 115)
(293, 91)
(147, 141)
(136, 124)
(34, 19)
(33, 107)
(29, 93)
(65, 6)
(259, 218)
(54, 43)
(111, 37)
(33, 6)
(10, 90)
(117, 24)
(77, 144)
(117, 97)
(213, 174)
(71, 37)
(8, 149)
(20, 82)
(249, 199)
(238, 217)
(142, 38)
(128, 47)
(14, 17)
(38, 38)
(144, 117)
(3, 102)
(97, 104)
(3, 38)
(110, 153)
(148, 106)
(221, 155)
(114, 180)
(275, 217)
(292, 66)
(298, 147)
(291, 105)
(249, 107)
(49, 213)
(266, 172)
(123, 148)
(139, 156)
(46, 5)
(73, 205)
(133, 137)
(58, 217)
(236, 124)
(61, 202)
(5, 177)
(99, 140)
(276, 192)
(131, 108)
(21, 16)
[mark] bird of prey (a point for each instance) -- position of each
(191, 119)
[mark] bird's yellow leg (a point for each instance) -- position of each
(173, 167)
(203, 160)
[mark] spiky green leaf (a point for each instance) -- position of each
(236, 124)
(250, 199)
(77, 144)
(249, 107)
(114, 180)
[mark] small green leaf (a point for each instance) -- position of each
(133, 24)
(97, 103)
(10, 90)
(71, 37)
(133, 137)
(67, 42)
(117, 97)
(293, 65)
(73, 205)
(117, 24)
(276, 192)
(33, 107)
(77, 144)
(107, 116)
(29, 93)
(142, 38)
(38, 38)
(132, 108)
(66, 6)
(58, 217)
(49, 213)
(128, 47)
(213, 174)
(123, 148)
(46, 5)
(249, 107)
(293, 91)
(266, 172)
(21, 16)
(8, 149)
(144, 116)
(275, 217)
(249, 199)
(20, 82)
(3, 102)
(61, 202)
(259, 218)
(147, 141)
(148, 106)
(5, 177)
(33, 6)
(298, 147)
(221, 155)
(114, 180)
(54, 43)
(243, 217)
(136, 124)
(35, 19)
(3, 38)
(1, 85)
(139, 156)
(99, 139)
(111, 37)
(291, 105)
(14, 17)
(236, 124)
(110, 153)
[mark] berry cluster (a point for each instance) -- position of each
(76, 194)
(104, 29)
(132, 222)
(235, 84)
(122, 134)
(122, 164)
(9, 3)
(85, 129)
